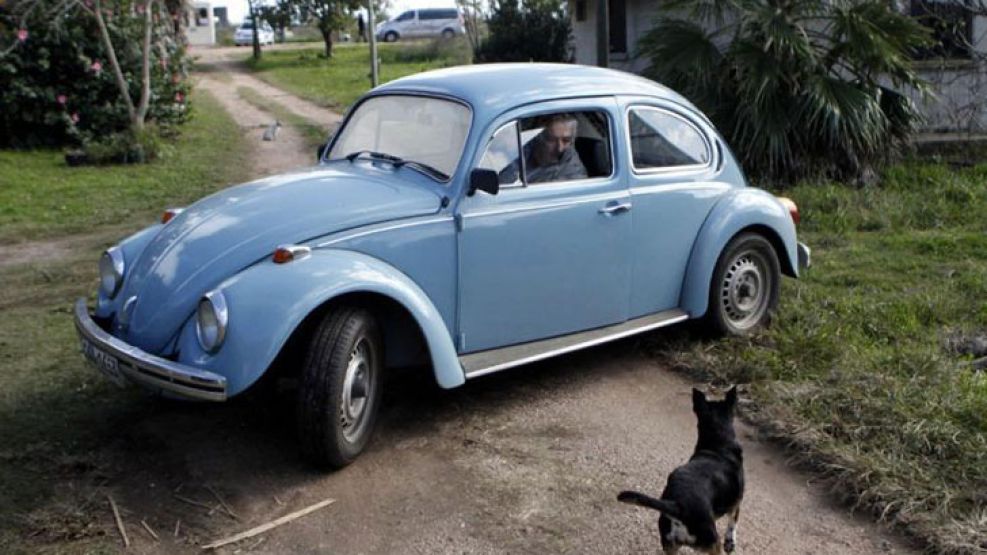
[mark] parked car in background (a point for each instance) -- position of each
(423, 23)
(462, 220)
(244, 35)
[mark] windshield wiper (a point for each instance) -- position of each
(397, 161)
(427, 168)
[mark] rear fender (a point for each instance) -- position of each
(743, 209)
(268, 301)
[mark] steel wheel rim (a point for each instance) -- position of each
(745, 289)
(358, 385)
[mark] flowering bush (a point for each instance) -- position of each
(56, 83)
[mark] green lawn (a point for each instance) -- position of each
(56, 413)
(859, 369)
(339, 81)
(42, 197)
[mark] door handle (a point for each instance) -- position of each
(615, 208)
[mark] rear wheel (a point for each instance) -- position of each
(448, 34)
(339, 393)
(743, 294)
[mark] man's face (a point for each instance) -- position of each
(556, 138)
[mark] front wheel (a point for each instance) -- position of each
(743, 294)
(339, 393)
(391, 36)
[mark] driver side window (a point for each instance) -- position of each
(502, 156)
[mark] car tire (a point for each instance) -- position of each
(743, 293)
(448, 34)
(340, 386)
(391, 36)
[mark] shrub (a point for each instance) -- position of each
(527, 31)
(798, 87)
(56, 84)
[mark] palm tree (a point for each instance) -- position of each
(798, 87)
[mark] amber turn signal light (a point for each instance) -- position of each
(169, 214)
(287, 253)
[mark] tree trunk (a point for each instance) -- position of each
(327, 38)
(104, 34)
(253, 18)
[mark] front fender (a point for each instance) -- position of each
(743, 208)
(132, 248)
(268, 301)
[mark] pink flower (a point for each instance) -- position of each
(22, 35)
(179, 97)
(96, 67)
(74, 117)
(61, 99)
(140, 8)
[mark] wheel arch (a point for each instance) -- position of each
(403, 339)
(272, 306)
(746, 210)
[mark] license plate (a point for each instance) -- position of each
(107, 363)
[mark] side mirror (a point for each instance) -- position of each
(483, 180)
(321, 152)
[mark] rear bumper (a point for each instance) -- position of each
(805, 256)
(118, 360)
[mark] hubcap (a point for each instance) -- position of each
(356, 391)
(744, 291)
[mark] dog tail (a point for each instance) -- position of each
(668, 508)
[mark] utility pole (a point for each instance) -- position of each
(602, 33)
(372, 30)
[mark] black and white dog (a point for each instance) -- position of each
(707, 487)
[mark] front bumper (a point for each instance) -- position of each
(805, 256)
(120, 361)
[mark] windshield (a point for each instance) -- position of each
(429, 131)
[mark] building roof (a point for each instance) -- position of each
(494, 88)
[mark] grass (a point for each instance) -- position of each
(42, 197)
(341, 80)
(56, 413)
(859, 371)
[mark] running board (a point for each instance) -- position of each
(487, 362)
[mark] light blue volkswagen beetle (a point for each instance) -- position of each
(472, 219)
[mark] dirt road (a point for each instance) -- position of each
(526, 461)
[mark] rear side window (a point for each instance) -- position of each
(438, 14)
(660, 139)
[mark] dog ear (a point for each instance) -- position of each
(731, 397)
(698, 400)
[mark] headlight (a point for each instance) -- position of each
(211, 319)
(111, 268)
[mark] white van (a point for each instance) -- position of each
(423, 23)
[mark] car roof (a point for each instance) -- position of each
(494, 88)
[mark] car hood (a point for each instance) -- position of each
(234, 228)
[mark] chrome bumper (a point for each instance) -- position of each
(805, 256)
(116, 358)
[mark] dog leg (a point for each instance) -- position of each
(671, 550)
(730, 541)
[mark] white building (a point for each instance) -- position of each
(959, 80)
(200, 23)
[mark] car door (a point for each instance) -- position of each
(674, 184)
(539, 260)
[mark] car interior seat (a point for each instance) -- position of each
(595, 156)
